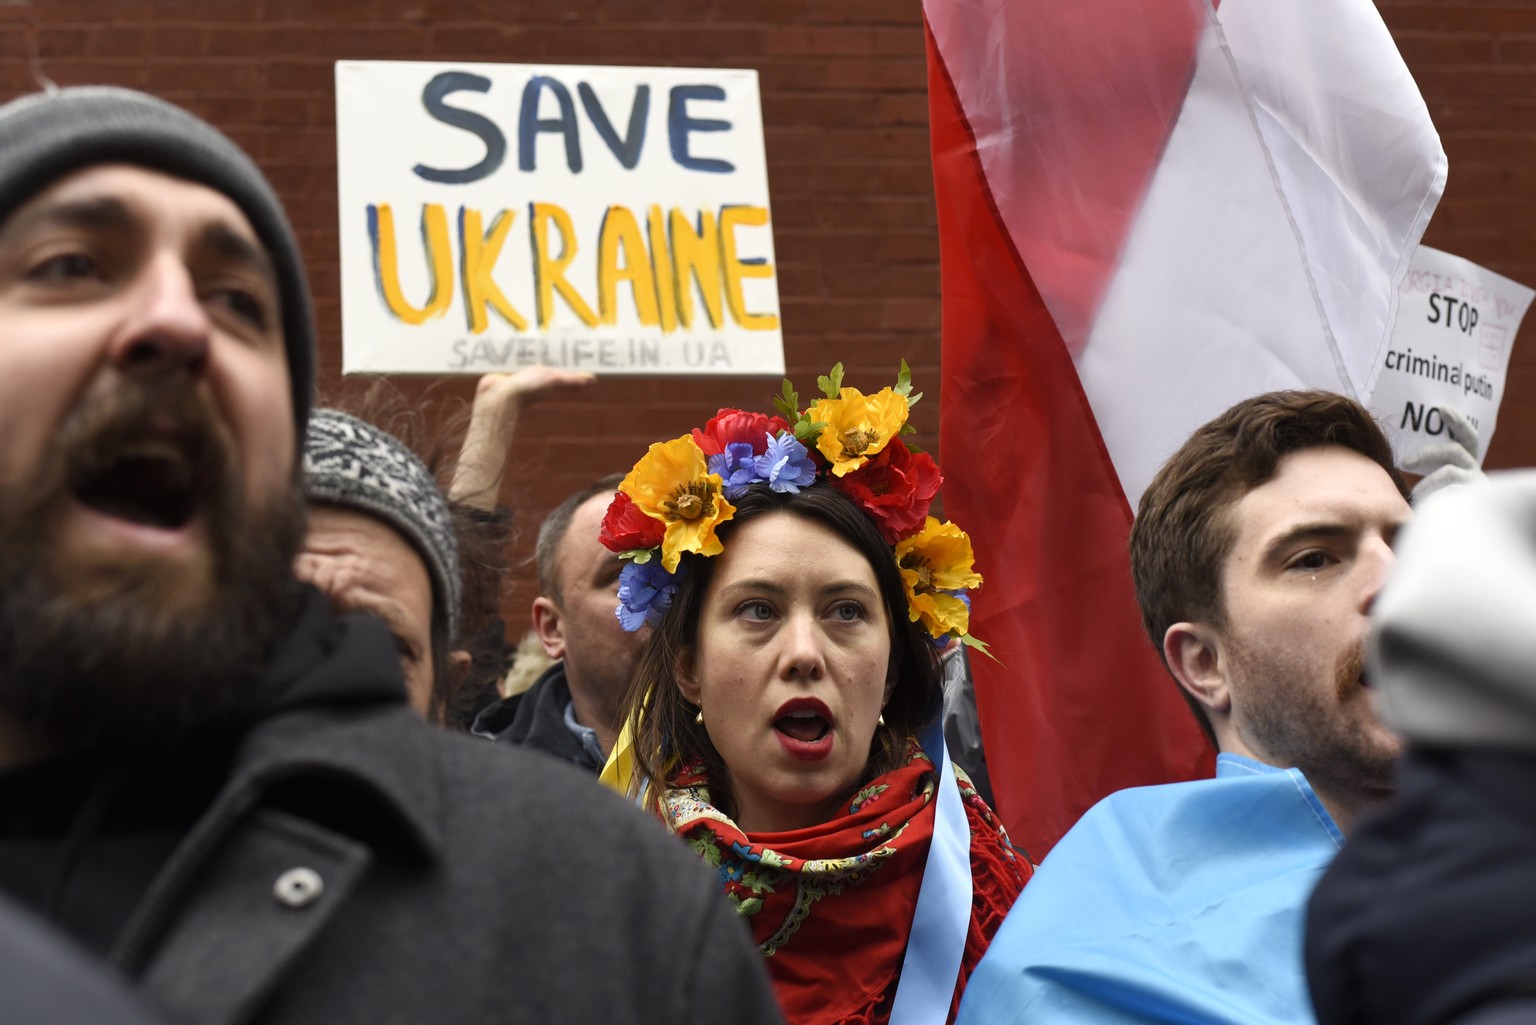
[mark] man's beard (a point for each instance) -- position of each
(1328, 732)
(127, 650)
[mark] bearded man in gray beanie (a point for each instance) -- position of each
(207, 777)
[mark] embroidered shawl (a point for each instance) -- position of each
(831, 905)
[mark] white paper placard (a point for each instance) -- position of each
(1456, 323)
(495, 216)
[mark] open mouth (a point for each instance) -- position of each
(804, 725)
(148, 481)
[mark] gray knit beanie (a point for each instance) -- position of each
(47, 136)
(351, 463)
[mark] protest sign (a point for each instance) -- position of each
(495, 216)
(1456, 322)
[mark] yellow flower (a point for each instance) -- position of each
(672, 483)
(935, 560)
(858, 426)
(941, 614)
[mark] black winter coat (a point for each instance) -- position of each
(358, 866)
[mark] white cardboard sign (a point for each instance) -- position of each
(1456, 323)
(495, 216)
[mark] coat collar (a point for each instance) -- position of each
(340, 714)
(339, 740)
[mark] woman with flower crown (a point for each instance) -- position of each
(784, 718)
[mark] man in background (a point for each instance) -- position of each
(572, 710)
(381, 541)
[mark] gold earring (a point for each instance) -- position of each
(698, 720)
(880, 719)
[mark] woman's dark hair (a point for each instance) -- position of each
(662, 720)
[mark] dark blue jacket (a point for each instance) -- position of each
(1429, 913)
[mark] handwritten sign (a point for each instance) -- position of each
(1456, 322)
(495, 216)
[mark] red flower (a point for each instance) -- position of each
(895, 487)
(626, 527)
(731, 425)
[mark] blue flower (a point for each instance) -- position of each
(737, 468)
(645, 592)
(786, 466)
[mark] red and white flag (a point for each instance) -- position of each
(1147, 212)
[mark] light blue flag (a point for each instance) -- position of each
(1180, 903)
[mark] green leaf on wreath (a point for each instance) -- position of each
(831, 384)
(789, 402)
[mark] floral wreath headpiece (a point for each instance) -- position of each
(681, 491)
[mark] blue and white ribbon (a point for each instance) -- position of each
(943, 915)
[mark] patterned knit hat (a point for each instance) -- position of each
(47, 136)
(351, 463)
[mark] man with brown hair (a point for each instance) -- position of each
(1257, 552)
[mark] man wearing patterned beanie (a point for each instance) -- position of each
(207, 777)
(381, 541)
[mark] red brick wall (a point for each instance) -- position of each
(1475, 62)
(845, 108)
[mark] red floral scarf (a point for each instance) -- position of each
(831, 905)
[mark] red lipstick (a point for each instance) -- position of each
(804, 727)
